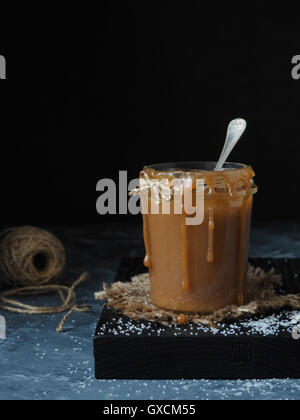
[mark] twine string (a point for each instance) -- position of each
(32, 260)
(66, 294)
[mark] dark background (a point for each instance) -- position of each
(94, 91)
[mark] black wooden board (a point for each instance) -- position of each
(127, 349)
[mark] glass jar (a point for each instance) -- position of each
(197, 267)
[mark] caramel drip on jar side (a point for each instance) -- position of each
(242, 240)
(147, 259)
(144, 195)
(184, 253)
(211, 228)
(210, 180)
(241, 273)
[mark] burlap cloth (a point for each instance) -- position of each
(133, 300)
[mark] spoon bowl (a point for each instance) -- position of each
(234, 132)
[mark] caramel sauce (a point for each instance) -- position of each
(147, 241)
(182, 320)
(200, 268)
(211, 228)
(184, 253)
(147, 259)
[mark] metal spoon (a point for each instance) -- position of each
(234, 132)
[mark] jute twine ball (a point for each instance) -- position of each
(30, 256)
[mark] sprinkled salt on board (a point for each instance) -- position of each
(266, 326)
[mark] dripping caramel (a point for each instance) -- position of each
(200, 268)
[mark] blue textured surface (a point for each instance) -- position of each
(37, 363)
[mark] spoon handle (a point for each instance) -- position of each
(234, 132)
